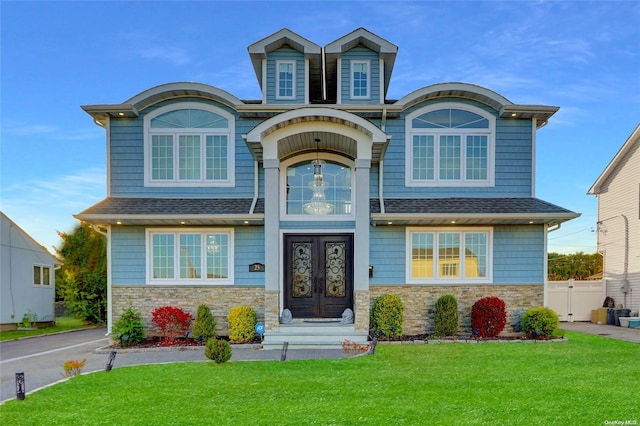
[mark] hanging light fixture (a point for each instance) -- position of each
(318, 204)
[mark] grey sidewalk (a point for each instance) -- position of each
(610, 331)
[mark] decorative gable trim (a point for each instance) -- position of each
(634, 138)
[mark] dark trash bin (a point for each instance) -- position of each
(611, 317)
(621, 313)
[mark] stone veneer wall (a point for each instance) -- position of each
(219, 299)
(419, 302)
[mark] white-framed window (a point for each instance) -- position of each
(360, 80)
(449, 255)
(194, 256)
(189, 144)
(285, 79)
(297, 182)
(450, 144)
(41, 275)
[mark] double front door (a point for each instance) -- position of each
(318, 275)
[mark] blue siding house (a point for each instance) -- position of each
(311, 202)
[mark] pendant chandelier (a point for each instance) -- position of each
(318, 204)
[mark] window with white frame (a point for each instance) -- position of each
(190, 256)
(41, 275)
(450, 145)
(189, 144)
(286, 78)
(360, 80)
(441, 255)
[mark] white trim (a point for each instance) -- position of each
(381, 81)
(107, 126)
(195, 281)
(293, 80)
(263, 83)
(352, 64)
(311, 218)
(229, 132)
(339, 81)
(42, 266)
(462, 182)
(534, 126)
(448, 281)
(307, 77)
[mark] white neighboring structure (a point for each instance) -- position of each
(618, 193)
(27, 277)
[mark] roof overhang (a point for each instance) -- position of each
(172, 219)
(469, 219)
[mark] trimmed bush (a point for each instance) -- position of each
(204, 327)
(540, 322)
(242, 324)
(488, 317)
(387, 316)
(171, 322)
(218, 350)
(129, 328)
(446, 319)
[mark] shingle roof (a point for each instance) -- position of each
(440, 211)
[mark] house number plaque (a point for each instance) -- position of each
(256, 267)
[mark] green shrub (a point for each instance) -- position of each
(204, 327)
(218, 350)
(387, 316)
(129, 328)
(242, 323)
(488, 317)
(539, 322)
(446, 320)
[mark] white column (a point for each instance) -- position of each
(271, 224)
(361, 255)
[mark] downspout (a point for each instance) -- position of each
(383, 127)
(109, 292)
(255, 187)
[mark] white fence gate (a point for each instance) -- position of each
(574, 300)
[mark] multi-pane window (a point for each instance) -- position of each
(189, 146)
(41, 275)
(190, 257)
(450, 146)
(285, 80)
(445, 255)
(360, 79)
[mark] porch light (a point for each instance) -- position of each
(318, 204)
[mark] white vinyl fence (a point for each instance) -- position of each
(574, 300)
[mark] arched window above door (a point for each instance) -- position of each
(304, 199)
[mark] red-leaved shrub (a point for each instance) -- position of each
(488, 317)
(171, 322)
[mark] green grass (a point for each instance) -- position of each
(586, 381)
(62, 324)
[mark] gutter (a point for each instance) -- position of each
(255, 187)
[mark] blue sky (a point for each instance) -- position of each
(581, 56)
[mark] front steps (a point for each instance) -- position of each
(313, 335)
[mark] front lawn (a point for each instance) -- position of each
(62, 324)
(589, 380)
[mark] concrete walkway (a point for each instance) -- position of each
(610, 331)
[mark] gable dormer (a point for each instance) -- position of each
(358, 68)
(288, 68)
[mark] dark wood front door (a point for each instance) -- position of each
(318, 275)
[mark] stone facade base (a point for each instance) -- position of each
(419, 302)
(219, 299)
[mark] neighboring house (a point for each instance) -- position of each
(27, 277)
(618, 193)
(323, 194)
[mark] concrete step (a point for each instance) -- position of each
(313, 335)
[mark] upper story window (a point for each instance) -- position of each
(335, 196)
(286, 77)
(189, 144)
(360, 80)
(450, 145)
(190, 256)
(441, 255)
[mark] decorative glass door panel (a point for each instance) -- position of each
(318, 275)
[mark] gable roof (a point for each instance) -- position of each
(620, 156)
(21, 240)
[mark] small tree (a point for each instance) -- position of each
(204, 327)
(129, 328)
(446, 320)
(171, 322)
(488, 317)
(218, 350)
